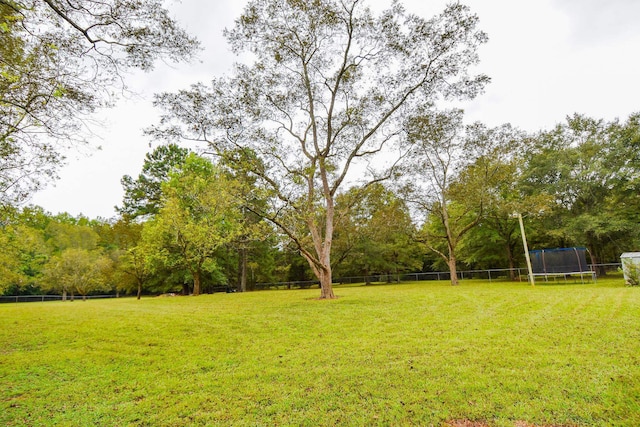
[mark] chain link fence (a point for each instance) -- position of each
(496, 274)
(43, 298)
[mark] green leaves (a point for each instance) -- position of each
(374, 234)
(59, 92)
(582, 165)
(57, 61)
(200, 213)
(78, 270)
(325, 98)
(142, 196)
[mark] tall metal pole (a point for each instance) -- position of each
(526, 251)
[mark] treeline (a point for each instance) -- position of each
(576, 185)
(189, 224)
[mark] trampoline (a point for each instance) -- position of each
(561, 263)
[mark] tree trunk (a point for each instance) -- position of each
(453, 271)
(512, 263)
(367, 277)
(139, 291)
(242, 270)
(326, 284)
(64, 295)
(451, 246)
(322, 269)
(321, 266)
(595, 261)
(196, 283)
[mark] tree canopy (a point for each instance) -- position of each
(60, 60)
(575, 185)
(200, 213)
(328, 91)
(143, 195)
(589, 169)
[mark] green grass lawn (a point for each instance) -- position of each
(501, 354)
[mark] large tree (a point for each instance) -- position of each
(327, 92)
(496, 242)
(60, 60)
(77, 270)
(450, 175)
(132, 271)
(200, 213)
(257, 237)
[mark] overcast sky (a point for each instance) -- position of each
(547, 59)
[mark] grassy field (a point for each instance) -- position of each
(496, 354)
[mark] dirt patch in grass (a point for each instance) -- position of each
(466, 423)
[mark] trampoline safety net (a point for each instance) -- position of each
(559, 260)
